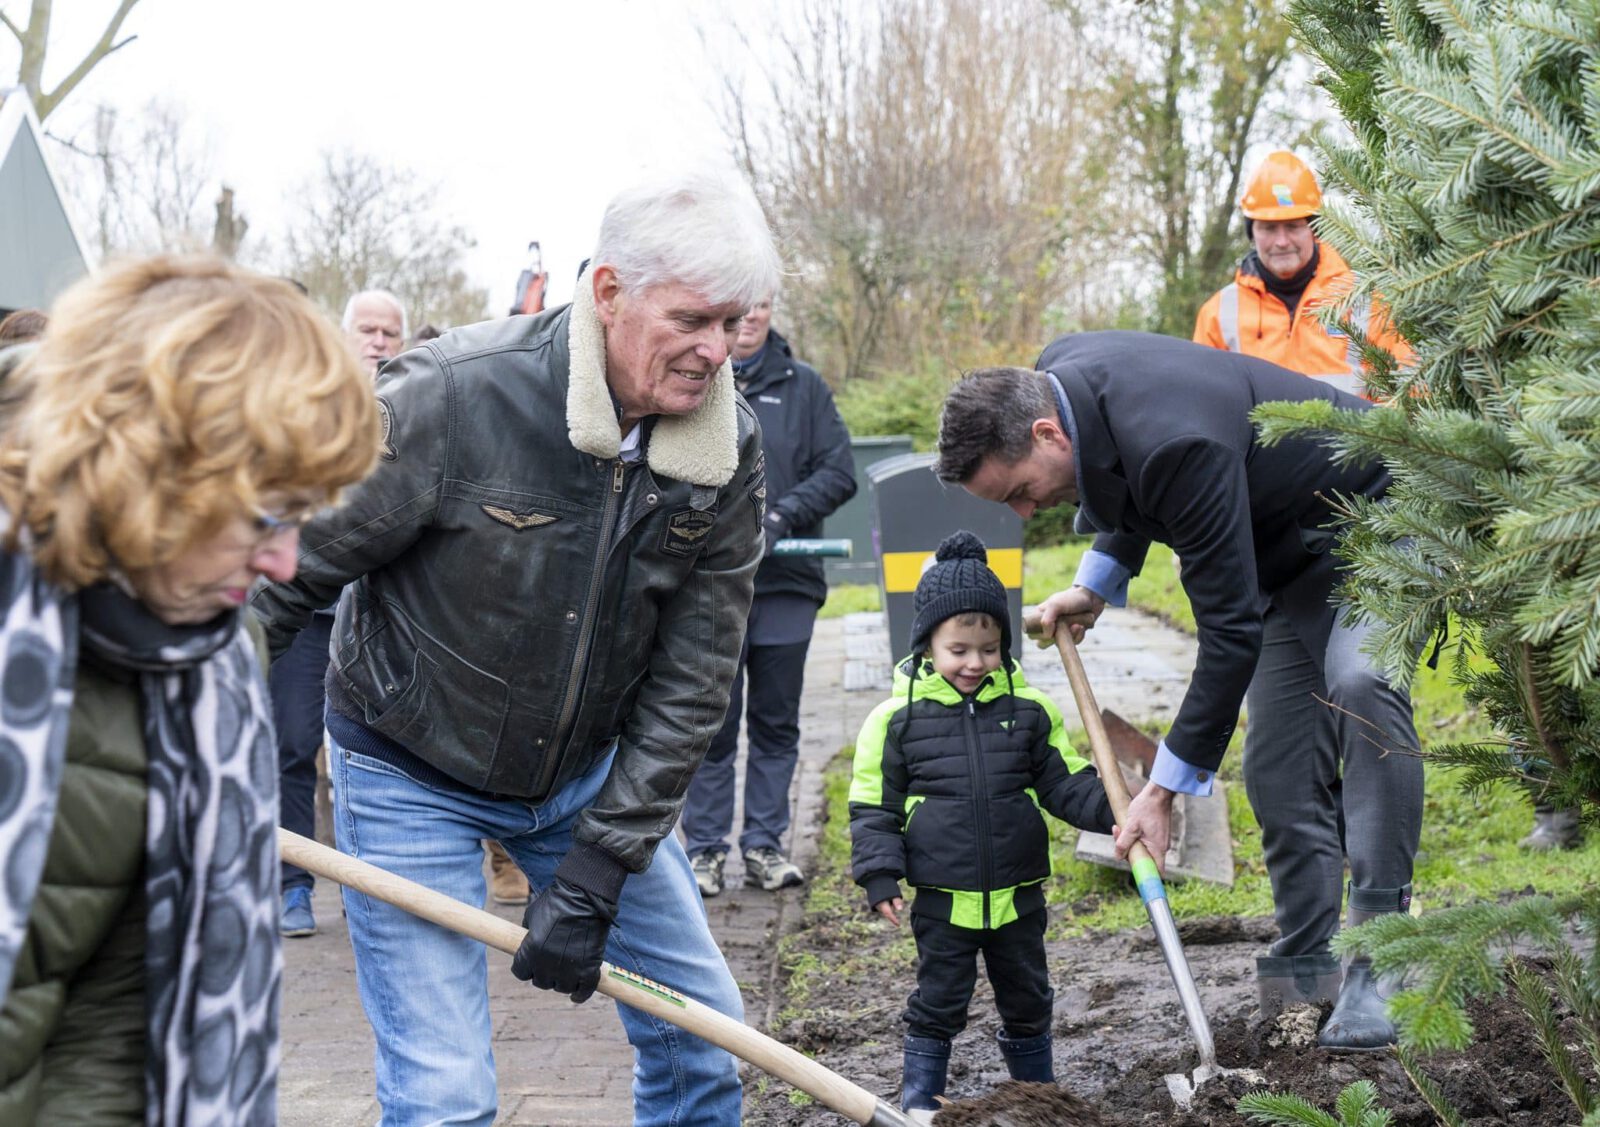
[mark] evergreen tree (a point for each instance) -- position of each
(1469, 197)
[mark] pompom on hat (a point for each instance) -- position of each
(958, 581)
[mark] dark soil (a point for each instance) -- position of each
(1119, 1031)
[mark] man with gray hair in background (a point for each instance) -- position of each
(374, 323)
(546, 583)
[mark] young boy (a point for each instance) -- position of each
(950, 776)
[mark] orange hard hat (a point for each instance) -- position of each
(1283, 187)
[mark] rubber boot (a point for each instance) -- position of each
(1553, 829)
(927, 1059)
(1360, 1018)
(1028, 1058)
(1291, 980)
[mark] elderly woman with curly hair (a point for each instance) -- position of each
(159, 448)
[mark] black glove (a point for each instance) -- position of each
(566, 941)
(776, 527)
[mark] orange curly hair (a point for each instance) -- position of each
(168, 396)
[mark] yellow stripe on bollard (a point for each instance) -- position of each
(901, 570)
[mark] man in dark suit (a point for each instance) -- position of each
(1151, 439)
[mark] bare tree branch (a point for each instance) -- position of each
(104, 47)
(35, 41)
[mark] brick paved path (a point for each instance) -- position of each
(562, 1065)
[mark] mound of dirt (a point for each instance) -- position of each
(1118, 1032)
(1018, 1104)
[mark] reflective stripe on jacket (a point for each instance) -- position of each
(1245, 317)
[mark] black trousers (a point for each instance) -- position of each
(775, 676)
(947, 970)
(296, 680)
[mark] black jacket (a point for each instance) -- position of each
(1166, 451)
(518, 596)
(948, 793)
(810, 471)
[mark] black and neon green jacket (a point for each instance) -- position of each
(949, 794)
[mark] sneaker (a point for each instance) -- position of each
(707, 868)
(770, 869)
(296, 922)
(507, 884)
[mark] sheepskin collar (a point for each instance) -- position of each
(701, 448)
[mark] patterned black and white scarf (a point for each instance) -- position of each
(212, 960)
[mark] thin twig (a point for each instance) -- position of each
(1383, 748)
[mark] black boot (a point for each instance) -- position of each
(926, 1061)
(1028, 1058)
(1360, 1019)
(1289, 980)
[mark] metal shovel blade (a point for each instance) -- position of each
(1182, 1088)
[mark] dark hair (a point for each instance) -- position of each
(990, 411)
(966, 618)
(425, 334)
(23, 325)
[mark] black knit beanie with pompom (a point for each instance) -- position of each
(958, 581)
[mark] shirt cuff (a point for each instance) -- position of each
(1103, 575)
(1173, 773)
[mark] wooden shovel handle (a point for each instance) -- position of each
(1099, 743)
(630, 989)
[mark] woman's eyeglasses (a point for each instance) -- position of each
(269, 526)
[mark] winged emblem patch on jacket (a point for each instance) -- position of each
(518, 521)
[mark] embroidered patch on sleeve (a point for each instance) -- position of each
(386, 413)
(685, 530)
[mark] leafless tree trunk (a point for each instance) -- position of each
(1199, 82)
(34, 37)
(228, 231)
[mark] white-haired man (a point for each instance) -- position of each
(546, 583)
(374, 323)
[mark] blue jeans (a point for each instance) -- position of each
(425, 989)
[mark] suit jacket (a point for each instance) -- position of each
(1166, 451)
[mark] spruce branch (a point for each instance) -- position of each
(1285, 1110)
(1431, 1093)
(1534, 997)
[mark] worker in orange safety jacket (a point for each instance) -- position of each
(1269, 309)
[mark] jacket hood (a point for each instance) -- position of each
(701, 447)
(932, 686)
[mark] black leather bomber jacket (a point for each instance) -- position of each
(519, 596)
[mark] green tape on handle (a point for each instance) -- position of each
(839, 549)
(1148, 877)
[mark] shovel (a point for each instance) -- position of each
(1151, 889)
(825, 1085)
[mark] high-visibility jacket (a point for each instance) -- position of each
(1246, 317)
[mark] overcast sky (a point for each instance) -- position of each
(528, 115)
